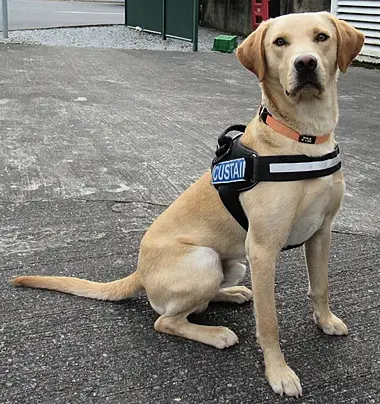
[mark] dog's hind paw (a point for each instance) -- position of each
(240, 290)
(223, 337)
(233, 294)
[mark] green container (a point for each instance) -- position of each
(225, 43)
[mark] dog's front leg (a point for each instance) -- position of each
(317, 254)
(262, 258)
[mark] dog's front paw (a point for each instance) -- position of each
(283, 380)
(331, 324)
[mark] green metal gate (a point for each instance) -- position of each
(170, 18)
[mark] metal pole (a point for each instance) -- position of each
(5, 18)
(163, 21)
(195, 25)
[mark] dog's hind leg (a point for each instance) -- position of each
(219, 337)
(233, 272)
(187, 287)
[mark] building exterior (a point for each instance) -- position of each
(364, 15)
(235, 16)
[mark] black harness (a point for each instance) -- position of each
(237, 169)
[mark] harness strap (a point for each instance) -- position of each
(244, 168)
(295, 168)
(230, 199)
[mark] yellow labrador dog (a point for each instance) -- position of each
(190, 255)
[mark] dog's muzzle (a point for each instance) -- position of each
(306, 74)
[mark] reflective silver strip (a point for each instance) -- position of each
(303, 167)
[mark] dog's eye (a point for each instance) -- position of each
(279, 42)
(322, 37)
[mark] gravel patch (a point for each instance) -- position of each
(114, 36)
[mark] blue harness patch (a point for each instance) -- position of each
(229, 171)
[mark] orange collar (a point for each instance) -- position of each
(266, 117)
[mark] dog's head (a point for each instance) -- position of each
(300, 52)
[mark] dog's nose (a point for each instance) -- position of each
(305, 63)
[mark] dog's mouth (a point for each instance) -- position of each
(305, 84)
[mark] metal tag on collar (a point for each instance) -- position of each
(309, 139)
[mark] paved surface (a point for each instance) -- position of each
(31, 14)
(95, 143)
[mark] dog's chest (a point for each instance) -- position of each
(316, 204)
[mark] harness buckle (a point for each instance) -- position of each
(251, 170)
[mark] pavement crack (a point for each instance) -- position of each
(349, 233)
(145, 202)
(83, 200)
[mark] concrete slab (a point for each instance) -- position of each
(142, 125)
(95, 144)
(57, 348)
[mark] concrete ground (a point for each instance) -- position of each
(32, 14)
(94, 145)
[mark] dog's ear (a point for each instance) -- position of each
(350, 41)
(251, 52)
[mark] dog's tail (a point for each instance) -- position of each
(116, 290)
